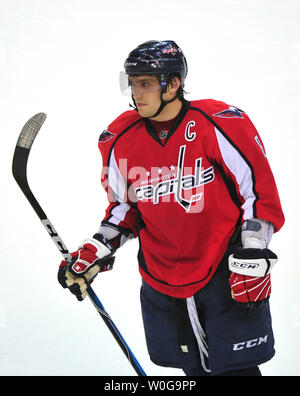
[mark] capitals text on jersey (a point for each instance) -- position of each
(178, 184)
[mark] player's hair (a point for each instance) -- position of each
(180, 92)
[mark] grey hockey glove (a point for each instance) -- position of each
(251, 264)
(93, 256)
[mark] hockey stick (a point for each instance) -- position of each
(19, 169)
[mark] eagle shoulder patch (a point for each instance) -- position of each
(231, 112)
(106, 135)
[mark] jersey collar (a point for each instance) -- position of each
(150, 129)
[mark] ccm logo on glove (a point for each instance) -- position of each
(252, 262)
(250, 280)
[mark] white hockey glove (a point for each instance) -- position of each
(251, 265)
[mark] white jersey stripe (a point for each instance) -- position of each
(118, 213)
(118, 185)
(241, 171)
(115, 179)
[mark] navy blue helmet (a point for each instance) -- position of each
(157, 57)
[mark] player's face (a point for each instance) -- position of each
(146, 92)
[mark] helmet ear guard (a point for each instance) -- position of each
(163, 82)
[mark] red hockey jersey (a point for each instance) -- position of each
(185, 198)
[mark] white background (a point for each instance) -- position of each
(62, 57)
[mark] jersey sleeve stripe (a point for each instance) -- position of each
(119, 213)
(241, 171)
(115, 179)
(250, 206)
(118, 186)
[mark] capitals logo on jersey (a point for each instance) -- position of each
(231, 112)
(187, 189)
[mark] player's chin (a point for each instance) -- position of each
(143, 111)
(146, 112)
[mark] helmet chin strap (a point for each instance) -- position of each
(161, 107)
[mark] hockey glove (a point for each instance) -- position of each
(247, 289)
(93, 256)
(251, 279)
(251, 265)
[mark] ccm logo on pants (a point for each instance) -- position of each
(250, 343)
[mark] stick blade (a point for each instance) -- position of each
(30, 130)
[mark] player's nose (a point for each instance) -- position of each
(137, 95)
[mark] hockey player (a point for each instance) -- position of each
(192, 181)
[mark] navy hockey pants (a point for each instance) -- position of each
(209, 330)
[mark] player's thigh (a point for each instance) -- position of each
(165, 324)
